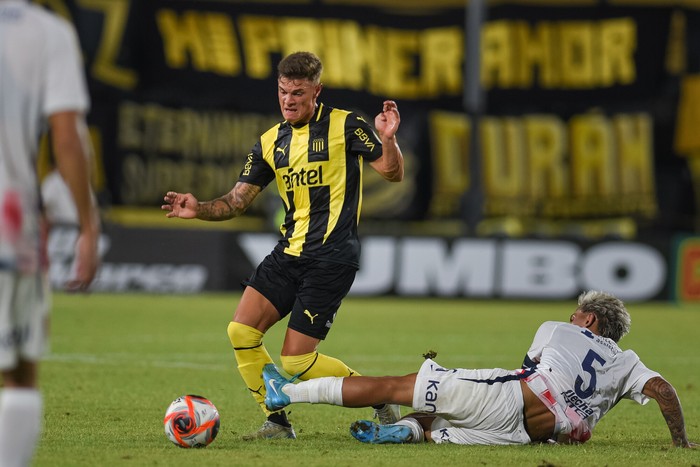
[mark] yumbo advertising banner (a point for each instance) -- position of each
(190, 261)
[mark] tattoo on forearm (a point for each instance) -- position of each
(216, 209)
(242, 195)
(670, 406)
(230, 205)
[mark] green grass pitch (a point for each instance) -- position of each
(117, 361)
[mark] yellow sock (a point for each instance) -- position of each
(251, 356)
(315, 365)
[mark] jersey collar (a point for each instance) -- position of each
(318, 113)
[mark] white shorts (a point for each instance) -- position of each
(471, 406)
(24, 311)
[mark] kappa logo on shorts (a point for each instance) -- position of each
(431, 395)
(311, 317)
(444, 434)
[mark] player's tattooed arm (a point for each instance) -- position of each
(230, 205)
(664, 393)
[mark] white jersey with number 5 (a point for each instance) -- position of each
(586, 372)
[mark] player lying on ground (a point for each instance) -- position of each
(573, 374)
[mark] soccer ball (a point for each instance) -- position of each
(191, 421)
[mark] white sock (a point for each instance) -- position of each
(328, 390)
(20, 425)
(415, 426)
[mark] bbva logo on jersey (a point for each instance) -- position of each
(248, 165)
(364, 138)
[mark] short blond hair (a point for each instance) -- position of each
(613, 319)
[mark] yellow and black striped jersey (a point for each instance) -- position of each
(318, 169)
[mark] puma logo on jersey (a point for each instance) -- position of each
(282, 150)
(311, 317)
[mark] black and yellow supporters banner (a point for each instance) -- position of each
(586, 129)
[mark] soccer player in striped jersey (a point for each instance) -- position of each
(573, 374)
(315, 156)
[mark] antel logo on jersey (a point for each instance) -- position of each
(311, 177)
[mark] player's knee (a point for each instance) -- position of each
(243, 336)
(298, 364)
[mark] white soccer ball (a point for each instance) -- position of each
(191, 421)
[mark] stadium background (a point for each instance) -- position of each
(553, 148)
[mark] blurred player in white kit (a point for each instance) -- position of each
(41, 81)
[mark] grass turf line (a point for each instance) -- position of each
(118, 360)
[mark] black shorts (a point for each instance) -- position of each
(309, 289)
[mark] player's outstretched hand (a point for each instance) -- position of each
(182, 205)
(387, 121)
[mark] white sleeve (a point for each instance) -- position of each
(638, 377)
(542, 338)
(65, 85)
